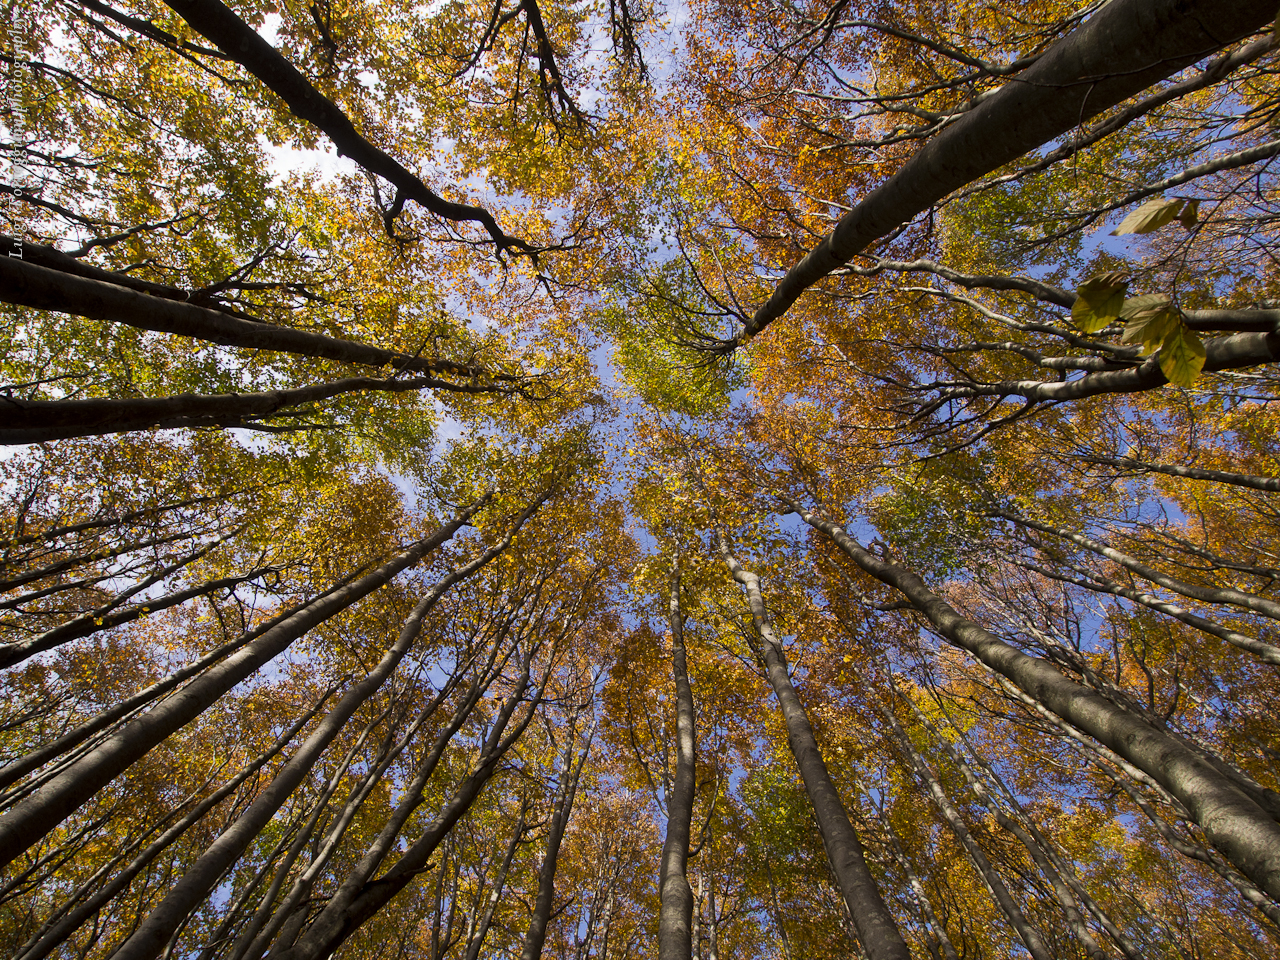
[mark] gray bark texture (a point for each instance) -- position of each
(876, 927)
(675, 918)
(1237, 825)
(104, 296)
(1125, 47)
(38, 421)
(156, 929)
(1031, 938)
(242, 44)
(358, 899)
(29, 821)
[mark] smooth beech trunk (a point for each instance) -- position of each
(1123, 48)
(1235, 823)
(37, 421)
(358, 898)
(51, 935)
(161, 924)
(675, 918)
(876, 927)
(32, 819)
(1028, 934)
(104, 296)
(536, 934)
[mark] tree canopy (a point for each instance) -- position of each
(717, 481)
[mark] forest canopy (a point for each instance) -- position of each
(723, 480)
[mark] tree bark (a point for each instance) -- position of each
(1031, 938)
(38, 421)
(876, 927)
(1233, 821)
(28, 822)
(104, 296)
(1125, 47)
(676, 896)
(163, 921)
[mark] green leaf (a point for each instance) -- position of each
(1098, 301)
(1190, 214)
(1182, 356)
(1151, 318)
(1152, 215)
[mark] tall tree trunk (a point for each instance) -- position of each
(37, 421)
(1237, 824)
(101, 295)
(48, 938)
(536, 935)
(676, 912)
(875, 924)
(1074, 80)
(1031, 938)
(32, 819)
(154, 932)
(359, 896)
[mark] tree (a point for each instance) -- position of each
(391, 562)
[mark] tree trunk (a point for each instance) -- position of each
(1073, 81)
(29, 821)
(1029, 935)
(36, 421)
(104, 296)
(1232, 820)
(875, 924)
(676, 912)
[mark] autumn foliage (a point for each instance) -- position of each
(606, 481)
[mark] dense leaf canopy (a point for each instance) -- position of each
(614, 481)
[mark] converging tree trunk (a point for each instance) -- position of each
(1236, 823)
(675, 941)
(876, 927)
